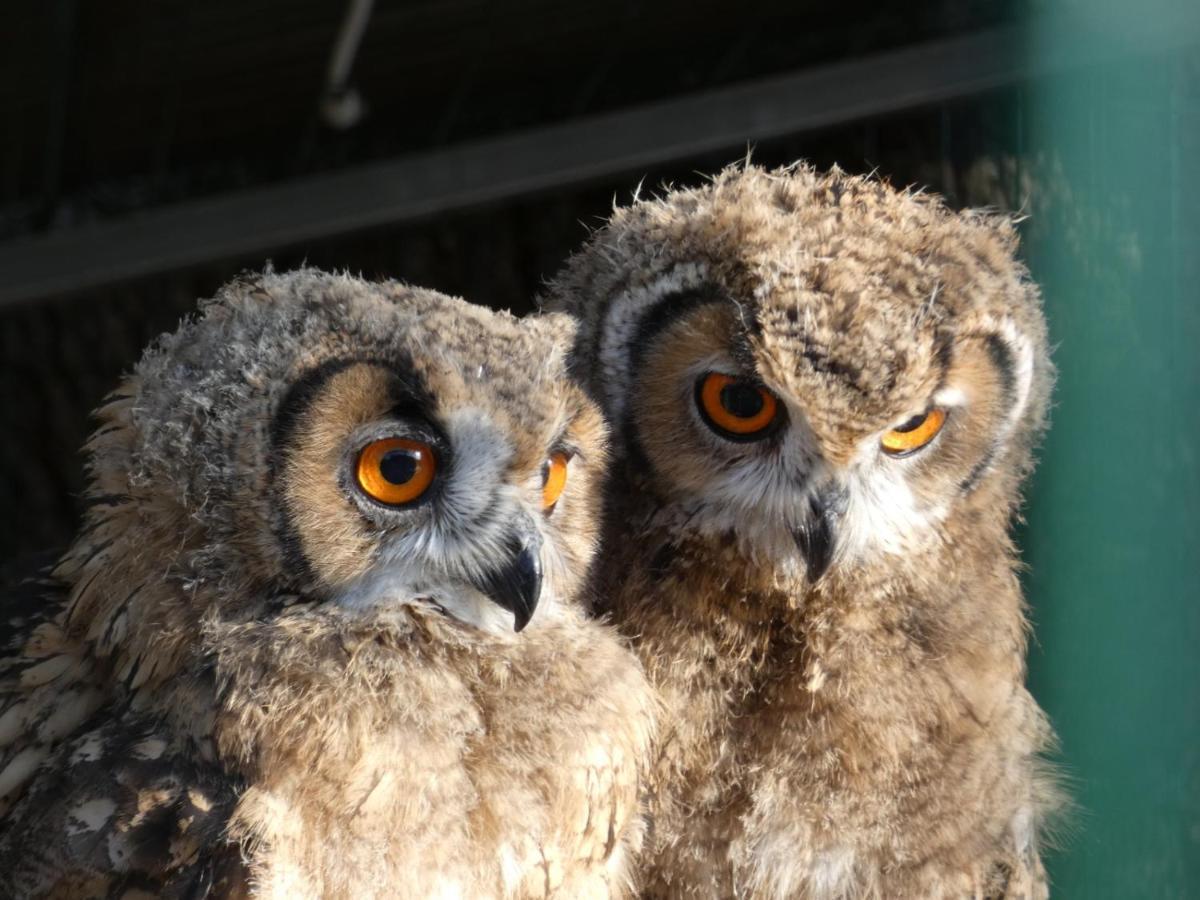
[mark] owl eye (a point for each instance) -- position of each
(554, 479)
(736, 409)
(395, 471)
(914, 434)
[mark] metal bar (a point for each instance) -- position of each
(66, 23)
(340, 105)
(264, 219)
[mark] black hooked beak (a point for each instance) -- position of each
(816, 535)
(517, 585)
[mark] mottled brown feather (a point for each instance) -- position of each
(190, 708)
(868, 735)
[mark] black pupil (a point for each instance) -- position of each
(742, 400)
(399, 466)
(911, 425)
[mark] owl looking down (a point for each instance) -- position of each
(318, 636)
(824, 395)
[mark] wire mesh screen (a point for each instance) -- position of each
(61, 356)
(1093, 135)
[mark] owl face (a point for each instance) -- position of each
(819, 366)
(377, 447)
(405, 484)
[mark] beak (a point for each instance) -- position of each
(517, 585)
(816, 535)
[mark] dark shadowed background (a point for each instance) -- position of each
(151, 150)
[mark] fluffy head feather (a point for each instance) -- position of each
(858, 307)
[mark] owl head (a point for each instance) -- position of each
(820, 366)
(368, 447)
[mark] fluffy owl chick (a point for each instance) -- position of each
(318, 636)
(824, 394)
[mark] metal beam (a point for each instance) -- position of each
(271, 218)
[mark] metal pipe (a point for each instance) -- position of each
(342, 107)
(463, 175)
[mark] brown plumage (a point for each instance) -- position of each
(820, 582)
(250, 675)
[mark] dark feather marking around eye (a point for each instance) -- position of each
(667, 310)
(1002, 358)
(299, 397)
(671, 307)
(283, 428)
(410, 394)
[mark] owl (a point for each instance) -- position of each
(319, 635)
(825, 394)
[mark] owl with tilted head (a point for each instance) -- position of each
(824, 395)
(319, 634)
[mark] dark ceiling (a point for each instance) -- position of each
(131, 106)
(116, 106)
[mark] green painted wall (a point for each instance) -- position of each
(1113, 535)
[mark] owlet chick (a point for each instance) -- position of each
(318, 636)
(825, 395)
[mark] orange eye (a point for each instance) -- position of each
(914, 434)
(736, 409)
(554, 480)
(395, 471)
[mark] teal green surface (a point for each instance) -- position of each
(1113, 535)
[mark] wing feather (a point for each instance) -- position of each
(96, 799)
